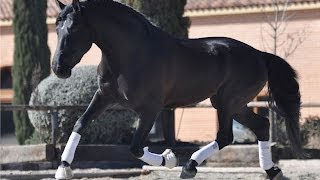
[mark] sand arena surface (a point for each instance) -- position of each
(292, 169)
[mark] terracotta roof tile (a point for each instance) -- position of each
(6, 9)
(194, 5)
(6, 13)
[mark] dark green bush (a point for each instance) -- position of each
(113, 126)
(310, 132)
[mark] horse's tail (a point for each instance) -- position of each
(284, 90)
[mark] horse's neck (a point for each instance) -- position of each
(117, 35)
(116, 19)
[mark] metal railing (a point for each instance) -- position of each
(54, 109)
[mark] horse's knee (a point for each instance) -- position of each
(136, 151)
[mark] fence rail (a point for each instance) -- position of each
(263, 104)
(54, 109)
(40, 107)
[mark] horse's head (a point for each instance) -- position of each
(74, 39)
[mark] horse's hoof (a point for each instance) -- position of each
(189, 170)
(63, 172)
(275, 173)
(169, 158)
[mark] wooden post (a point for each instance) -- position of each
(54, 126)
(168, 127)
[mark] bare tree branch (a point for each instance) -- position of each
(281, 43)
(294, 41)
(278, 24)
(284, 10)
(265, 44)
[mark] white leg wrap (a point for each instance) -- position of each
(265, 157)
(205, 152)
(69, 150)
(151, 158)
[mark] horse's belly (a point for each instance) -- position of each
(184, 102)
(193, 79)
(189, 95)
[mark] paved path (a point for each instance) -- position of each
(292, 169)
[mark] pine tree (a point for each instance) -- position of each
(166, 14)
(31, 57)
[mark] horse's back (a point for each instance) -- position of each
(217, 45)
(226, 53)
(206, 64)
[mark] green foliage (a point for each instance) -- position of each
(166, 14)
(31, 57)
(280, 133)
(112, 127)
(39, 138)
(310, 131)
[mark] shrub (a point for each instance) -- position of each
(310, 132)
(113, 126)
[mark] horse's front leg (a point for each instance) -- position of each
(97, 106)
(147, 118)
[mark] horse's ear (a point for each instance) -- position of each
(76, 5)
(61, 5)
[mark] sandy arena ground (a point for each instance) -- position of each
(292, 169)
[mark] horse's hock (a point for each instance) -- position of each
(113, 126)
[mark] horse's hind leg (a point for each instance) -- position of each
(226, 107)
(148, 115)
(260, 127)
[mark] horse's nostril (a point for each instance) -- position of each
(58, 69)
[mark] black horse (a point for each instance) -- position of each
(145, 69)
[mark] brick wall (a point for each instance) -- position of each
(247, 28)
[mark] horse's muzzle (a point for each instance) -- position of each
(62, 72)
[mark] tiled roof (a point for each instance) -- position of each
(194, 5)
(6, 13)
(6, 10)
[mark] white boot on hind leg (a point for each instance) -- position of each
(170, 160)
(64, 172)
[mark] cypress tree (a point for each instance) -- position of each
(166, 14)
(31, 57)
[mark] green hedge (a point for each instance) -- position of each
(310, 132)
(113, 126)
